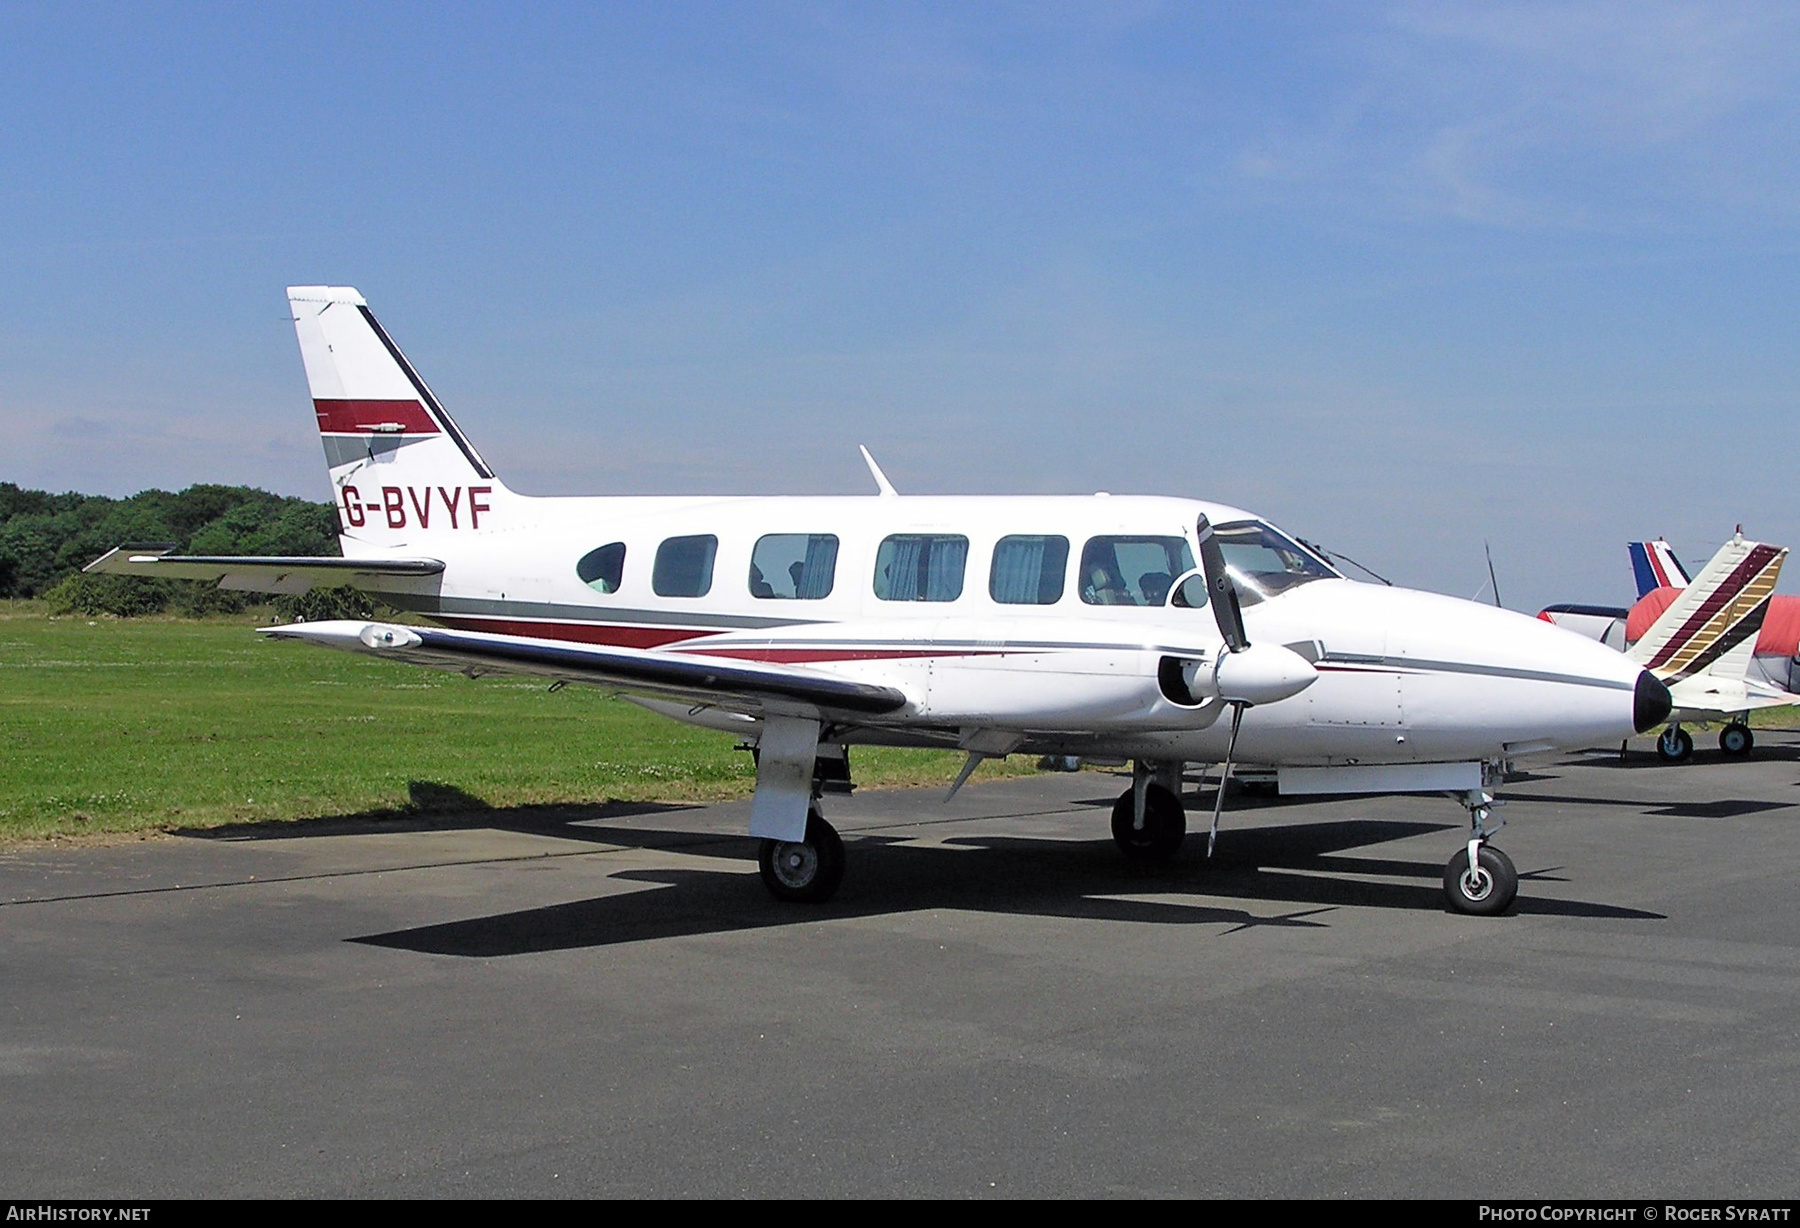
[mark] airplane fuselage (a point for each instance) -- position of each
(1000, 628)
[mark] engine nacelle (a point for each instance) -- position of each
(1260, 674)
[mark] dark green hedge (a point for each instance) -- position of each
(46, 539)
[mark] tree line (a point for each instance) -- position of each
(46, 539)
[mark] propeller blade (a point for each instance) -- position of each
(1226, 611)
(1237, 718)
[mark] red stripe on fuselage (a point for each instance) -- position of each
(362, 417)
(630, 635)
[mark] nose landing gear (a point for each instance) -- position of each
(1480, 881)
(1676, 745)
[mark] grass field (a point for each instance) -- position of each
(129, 724)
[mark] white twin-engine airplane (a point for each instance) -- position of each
(1042, 625)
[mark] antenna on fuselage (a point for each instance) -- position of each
(882, 484)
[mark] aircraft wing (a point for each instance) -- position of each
(257, 573)
(743, 686)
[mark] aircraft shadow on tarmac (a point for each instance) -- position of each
(1717, 808)
(1297, 864)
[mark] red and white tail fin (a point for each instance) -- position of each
(401, 468)
(1711, 626)
(1654, 566)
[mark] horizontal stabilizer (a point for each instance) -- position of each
(749, 687)
(258, 573)
(1703, 697)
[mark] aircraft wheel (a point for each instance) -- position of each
(807, 872)
(1735, 739)
(1675, 745)
(1165, 824)
(1487, 891)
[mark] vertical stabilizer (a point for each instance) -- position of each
(1712, 625)
(401, 469)
(1654, 566)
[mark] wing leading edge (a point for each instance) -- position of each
(751, 687)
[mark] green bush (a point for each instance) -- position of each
(198, 598)
(324, 604)
(122, 596)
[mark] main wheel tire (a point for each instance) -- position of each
(1675, 745)
(1165, 824)
(1487, 892)
(1735, 739)
(808, 872)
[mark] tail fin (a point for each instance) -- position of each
(1712, 624)
(1655, 566)
(401, 467)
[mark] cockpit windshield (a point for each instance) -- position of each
(1265, 562)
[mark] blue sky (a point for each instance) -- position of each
(1402, 277)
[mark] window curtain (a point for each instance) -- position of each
(819, 569)
(1018, 565)
(944, 568)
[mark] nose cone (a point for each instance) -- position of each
(1650, 702)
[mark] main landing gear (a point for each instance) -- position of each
(807, 871)
(1149, 821)
(1480, 880)
(1735, 739)
(1676, 745)
(1158, 835)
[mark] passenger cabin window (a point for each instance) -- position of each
(684, 566)
(921, 567)
(1132, 570)
(1028, 570)
(793, 566)
(601, 569)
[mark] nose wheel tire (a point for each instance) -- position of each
(1735, 739)
(1487, 890)
(804, 872)
(1165, 824)
(1675, 745)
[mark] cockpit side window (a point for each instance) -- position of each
(602, 569)
(1132, 570)
(921, 567)
(684, 566)
(793, 566)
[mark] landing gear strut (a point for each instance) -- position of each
(807, 871)
(1480, 880)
